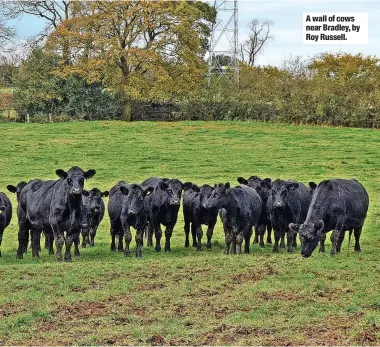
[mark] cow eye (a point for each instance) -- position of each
(68, 180)
(170, 191)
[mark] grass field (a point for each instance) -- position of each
(189, 297)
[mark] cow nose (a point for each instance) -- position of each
(96, 209)
(131, 212)
(84, 226)
(76, 191)
(175, 202)
(204, 205)
(278, 204)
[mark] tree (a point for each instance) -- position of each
(140, 49)
(7, 33)
(53, 12)
(259, 34)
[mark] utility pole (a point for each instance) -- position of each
(223, 51)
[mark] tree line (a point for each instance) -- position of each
(110, 60)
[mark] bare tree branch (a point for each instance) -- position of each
(259, 35)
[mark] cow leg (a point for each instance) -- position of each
(290, 240)
(120, 247)
(69, 243)
(35, 236)
(210, 232)
(1, 237)
(168, 235)
(277, 237)
(23, 237)
(92, 236)
(256, 238)
(261, 231)
(139, 242)
(336, 234)
(357, 233)
(84, 239)
(187, 232)
(247, 240)
(228, 238)
(294, 240)
(158, 235)
(269, 235)
(239, 241)
(149, 231)
(76, 240)
(113, 231)
(194, 234)
(113, 242)
(199, 237)
(233, 242)
(340, 241)
(282, 243)
(46, 240)
(128, 239)
(50, 238)
(322, 243)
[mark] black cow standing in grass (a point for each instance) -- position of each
(127, 208)
(163, 206)
(263, 188)
(56, 206)
(195, 214)
(5, 215)
(49, 238)
(288, 203)
(337, 205)
(93, 210)
(240, 209)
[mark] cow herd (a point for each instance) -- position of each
(63, 210)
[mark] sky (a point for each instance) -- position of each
(286, 17)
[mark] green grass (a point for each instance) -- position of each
(189, 297)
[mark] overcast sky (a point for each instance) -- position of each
(286, 16)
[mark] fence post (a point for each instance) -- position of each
(27, 117)
(50, 118)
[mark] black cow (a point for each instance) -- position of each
(5, 215)
(240, 212)
(163, 205)
(195, 214)
(53, 206)
(48, 236)
(338, 205)
(287, 203)
(263, 188)
(127, 208)
(93, 213)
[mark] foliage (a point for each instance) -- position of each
(187, 297)
(140, 49)
(39, 92)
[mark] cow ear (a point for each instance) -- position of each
(268, 180)
(89, 173)
(242, 180)
(61, 173)
(148, 191)
(318, 226)
(292, 186)
(2, 208)
(264, 184)
(196, 188)
(11, 188)
(85, 193)
(124, 190)
(227, 185)
(162, 185)
(105, 193)
(187, 186)
(312, 185)
(294, 227)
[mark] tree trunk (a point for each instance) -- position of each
(126, 114)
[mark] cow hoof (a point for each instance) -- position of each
(357, 249)
(113, 249)
(262, 244)
(83, 246)
(127, 254)
(76, 253)
(194, 245)
(208, 245)
(19, 257)
(321, 250)
(199, 248)
(282, 245)
(158, 249)
(168, 250)
(92, 244)
(187, 243)
(290, 250)
(275, 250)
(68, 257)
(269, 241)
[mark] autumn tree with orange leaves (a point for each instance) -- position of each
(138, 49)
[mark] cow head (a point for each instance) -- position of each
(135, 196)
(17, 189)
(310, 234)
(280, 190)
(218, 196)
(173, 189)
(74, 178)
